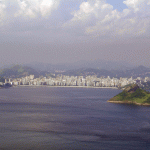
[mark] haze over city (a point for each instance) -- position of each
(61, 31)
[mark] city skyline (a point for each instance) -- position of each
(58, 31)
(88, 81)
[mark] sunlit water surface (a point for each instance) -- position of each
(70, 118)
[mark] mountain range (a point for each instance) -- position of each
(95, 64)
(135, 72)
(17, 71)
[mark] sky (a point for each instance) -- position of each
(67, 31)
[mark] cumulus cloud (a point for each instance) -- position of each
(137, 5)
(2, 11)
(33, 8)
(93, 17)
(91, 9)
(131, 21)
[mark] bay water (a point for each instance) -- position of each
(49, 118)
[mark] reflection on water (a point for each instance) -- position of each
(70, 118)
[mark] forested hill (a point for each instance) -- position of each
(18, 71)
(140, 71)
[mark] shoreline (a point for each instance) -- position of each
(129, 102)
(65, 86)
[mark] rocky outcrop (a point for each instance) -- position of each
(131, 88)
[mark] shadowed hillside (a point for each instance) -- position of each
(18, 71)
(140, 71)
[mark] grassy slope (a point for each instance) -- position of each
(139, 96)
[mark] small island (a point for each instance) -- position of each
(132, 95)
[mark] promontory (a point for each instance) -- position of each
(132, 95)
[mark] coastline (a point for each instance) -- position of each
(129, 102)
(65, 86)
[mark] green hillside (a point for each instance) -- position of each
(17, 71)
(132, 95)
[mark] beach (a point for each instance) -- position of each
(66, 86)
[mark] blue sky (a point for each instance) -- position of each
(59, 31)
(117, 4)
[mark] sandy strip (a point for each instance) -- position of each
(129, 102)
(66, 86)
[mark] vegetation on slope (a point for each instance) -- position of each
(17, 71)
(133, 95)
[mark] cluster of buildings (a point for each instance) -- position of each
(62, 80)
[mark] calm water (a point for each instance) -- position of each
(44, 118)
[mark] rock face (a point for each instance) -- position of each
(132, 95)
(131, 88)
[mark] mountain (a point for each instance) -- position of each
(89, 71)
(140, 71)
(18, 71)
(96, 64)
(103, 64)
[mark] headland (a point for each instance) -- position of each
(132, 95)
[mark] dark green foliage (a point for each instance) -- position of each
(123, 95)
(137, 94)
(148, 100)
(133, 95)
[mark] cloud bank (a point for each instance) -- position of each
(27, 9)
(34, 8)
(133, 21)
(93, 17)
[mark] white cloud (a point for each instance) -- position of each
(33, 8)
(94, 17)
(133, 21)
(2, 11)
(114, 15)
(89, 9)
(137, 5)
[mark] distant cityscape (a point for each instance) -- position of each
(88, 81)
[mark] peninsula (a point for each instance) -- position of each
(132, 95)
